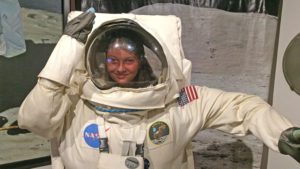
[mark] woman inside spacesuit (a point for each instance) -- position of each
(118, 59)
(126, 63)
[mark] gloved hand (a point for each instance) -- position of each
(69, 51)
(81, 26)
(289, 143)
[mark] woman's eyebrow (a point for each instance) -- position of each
(111, 56)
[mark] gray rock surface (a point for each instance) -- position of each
(20, 147)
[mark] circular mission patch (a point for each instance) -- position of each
(91, 136)
(159, 132)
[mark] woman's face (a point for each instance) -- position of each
(122, 65)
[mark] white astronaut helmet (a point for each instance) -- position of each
(121, 54)
(154, 42)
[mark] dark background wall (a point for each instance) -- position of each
(120, 6)
(18, 75)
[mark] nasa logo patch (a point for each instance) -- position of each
(159, 132)
(91, 135)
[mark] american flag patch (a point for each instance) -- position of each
(187, 95)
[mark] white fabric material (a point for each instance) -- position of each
(65, 57)
(143, 98)
(101, 127)
(12, 41)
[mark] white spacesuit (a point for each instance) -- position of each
(96, 123)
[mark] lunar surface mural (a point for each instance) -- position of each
(229, 51)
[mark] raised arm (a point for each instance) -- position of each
(44, 109)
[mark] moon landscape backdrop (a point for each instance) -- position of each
(229, 51)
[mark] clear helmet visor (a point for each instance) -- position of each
(122, 54)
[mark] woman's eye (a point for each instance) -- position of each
(112, 60)
(130, 61)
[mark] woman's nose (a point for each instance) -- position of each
(121, 67)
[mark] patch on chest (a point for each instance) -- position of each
(187, 95)
(158, 132)
(91, 135)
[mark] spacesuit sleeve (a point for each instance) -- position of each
(238, 114)
(44, 109)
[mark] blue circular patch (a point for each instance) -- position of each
(91, 135)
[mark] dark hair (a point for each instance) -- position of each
(129, 43)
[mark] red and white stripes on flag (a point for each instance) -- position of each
(187, 95)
